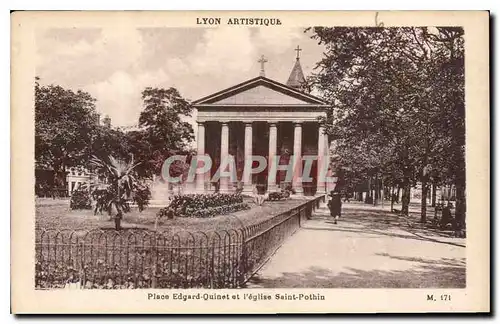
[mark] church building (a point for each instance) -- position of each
(262, 117)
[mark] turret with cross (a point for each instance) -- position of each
(296, 79)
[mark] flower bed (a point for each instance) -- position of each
(198, 201)
(204, 205)
(214, 211)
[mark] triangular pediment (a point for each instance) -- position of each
(260, 95)
(260, 91)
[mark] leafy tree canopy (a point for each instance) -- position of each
(64, 123)
(396, 101)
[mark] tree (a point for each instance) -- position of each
(109, 141)
(391, 93)
(121, 183)
(64, 122)
(450, 90)
(369, 90)
(164, 132)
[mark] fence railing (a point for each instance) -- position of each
(108, 259)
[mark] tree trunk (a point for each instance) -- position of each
(118, 217)
(460, 205)
(368, 194)
(425, 187)
(434, 194)
(57, 181)
(382, 191)
(118, 222)
(392, 199)
(398, 194)
(423, 202)
(376, 196)
(405, 199)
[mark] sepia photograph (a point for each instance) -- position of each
(241, 152)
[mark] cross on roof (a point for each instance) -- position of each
(298, 49)
(262, 61)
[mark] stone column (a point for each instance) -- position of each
(320, 181)
(297, 154)
(248, 154)
(273, 142)
(200, 178)
(224, 153)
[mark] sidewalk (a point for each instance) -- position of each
(368, 248)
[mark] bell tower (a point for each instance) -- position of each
(296, 78)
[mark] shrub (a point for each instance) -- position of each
(80, 199)
(279, 195)
(167, 212)
(104, 199)
(141, 197)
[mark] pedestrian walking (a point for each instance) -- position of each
(335, 205)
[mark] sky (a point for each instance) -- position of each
(115, 64)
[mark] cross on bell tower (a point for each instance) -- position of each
(262, 61)
(298, 49)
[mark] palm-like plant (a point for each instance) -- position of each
(120, 184)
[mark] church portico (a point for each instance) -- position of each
(262, 119)
(274, 141)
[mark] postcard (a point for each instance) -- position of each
(184, 162)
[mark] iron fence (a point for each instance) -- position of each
(109, 259)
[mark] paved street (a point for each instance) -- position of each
(368, 248)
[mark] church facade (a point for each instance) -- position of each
(266, 118)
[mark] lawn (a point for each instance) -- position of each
(56, 214)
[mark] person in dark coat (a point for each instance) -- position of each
(335, 205)
(446, 217)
